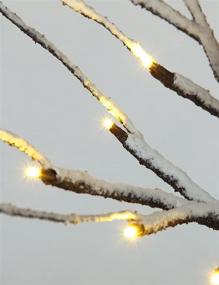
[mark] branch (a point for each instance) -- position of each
(81, 182)
(12, 210)
(174, 175)
(169, 14)
(166, 170)
(198, 29)
(25, 147)
(195, 93)
(75, 70)
(201, 213)
(196, 12)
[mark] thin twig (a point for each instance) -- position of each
(200, 96)
(139, 149)
(198, 29)
(12, 210)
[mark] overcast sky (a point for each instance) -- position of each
(41, 101)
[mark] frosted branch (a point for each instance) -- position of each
(196, 12)
(157, 71)
(143, 152)
(12, 210)
(24, 146)
(152, 159)
(201, 213)
(81, 182)
(169, 14)
(198, 29)
(75, 70)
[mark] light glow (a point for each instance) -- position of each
(130, 232)
(32, 172)
(214, 277)
(107, 123)
(139, 52)
(112, 109)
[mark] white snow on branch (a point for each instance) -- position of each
(168, 13)
(202, 213)
(85, 183)
(12, 210)
(81, 7)
(81, 182)
(167, 170)
(24, 146)
(138, 141)
(189, 89)
(197, 29)
(75, 70)
(196, 12)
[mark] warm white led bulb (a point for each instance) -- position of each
(139, 52)
(130, 232)
(32, 172)
(214, 278)
(107, 123)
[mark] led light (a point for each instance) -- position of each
(214, 277)
(112, 109)
(139, 52)
(107, 123)
(133, 231)
(130, 232)
(32, 172)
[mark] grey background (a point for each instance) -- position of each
(41, 101)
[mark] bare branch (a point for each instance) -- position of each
(199, 96)
(12, 210)
(197, 29)
(24, 146)
(201, 213)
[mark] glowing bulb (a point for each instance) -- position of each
(139, 52)
(32, 172)
(214, 278)
(112, 109)
(130, 232)
(107, 123)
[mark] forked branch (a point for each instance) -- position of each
(198, 28)
(183, 86)
(134, 143)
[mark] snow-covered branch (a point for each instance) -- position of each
(152, 159)
(75, 70)
(81, 182)
(24, 146)
(169, 14)
(197, 28)
(201, 213)
(186, 88)
(195, 93)
(135, 143)
(12, 210)
(196, 12)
